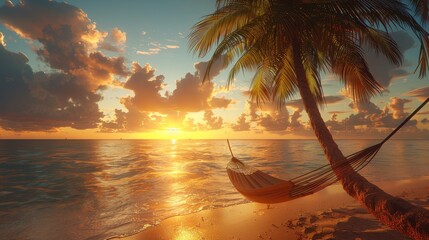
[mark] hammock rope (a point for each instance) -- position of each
(261, 187)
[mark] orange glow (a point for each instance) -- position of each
(170, 134)
(187, 234)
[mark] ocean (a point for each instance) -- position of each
(98, 189)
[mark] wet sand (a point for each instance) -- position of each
(328, 214)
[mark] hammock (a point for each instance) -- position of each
(261, 187)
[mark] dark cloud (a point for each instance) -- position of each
(69, 40)
(383, 70)
(42, 102)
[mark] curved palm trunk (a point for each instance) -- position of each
(394, 212)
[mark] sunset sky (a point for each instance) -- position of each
(122, 69)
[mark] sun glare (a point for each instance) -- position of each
(173, 131)
(173, 134)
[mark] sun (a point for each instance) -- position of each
(173, 131)
(173, 134)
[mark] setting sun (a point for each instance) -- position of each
(173, 131)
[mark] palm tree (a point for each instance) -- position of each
(288, 43)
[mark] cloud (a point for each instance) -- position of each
(365, 108)
(295, 123)
(268, 116)
(252, 109)
(215, 69)
(221, 102)
(115, 41)
(397, 106)
(152, 51)
(118, 36)
(369, 120)
(2, 42)
(156, 47)
(212, 122)
(298, 104)
(146, 88)
(421, 93)
(69, 40)
(69, 43)
(132, 121)
(275, 122)
(190, 95)
(383, 70)
(42, 102)
(242, 124)
(337, 112)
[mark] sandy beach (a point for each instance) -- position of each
(328, 214)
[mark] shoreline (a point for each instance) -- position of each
(327, 213)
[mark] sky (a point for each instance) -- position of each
(123, 69)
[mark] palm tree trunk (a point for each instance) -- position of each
(394, 212)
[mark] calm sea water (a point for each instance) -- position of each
(96, 189)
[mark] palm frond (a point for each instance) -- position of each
(259, 89)
(421, 7)
(256, 35)
(211, 29)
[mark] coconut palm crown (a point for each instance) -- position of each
(261, 36)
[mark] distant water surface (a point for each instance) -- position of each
(97, 189)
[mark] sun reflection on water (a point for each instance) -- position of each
(186, 234)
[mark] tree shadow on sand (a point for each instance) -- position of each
(347, 223)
